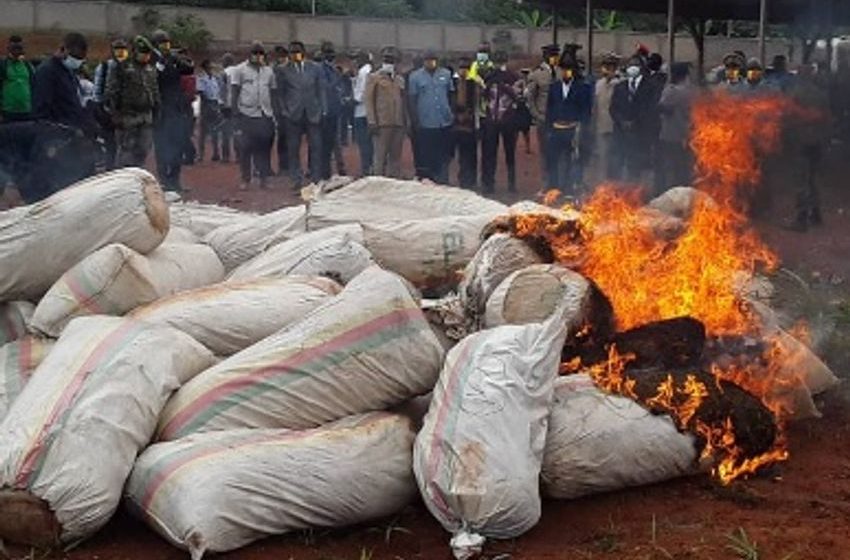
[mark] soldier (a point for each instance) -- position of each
(536, 93)
(131, 96)
(169, 128)
(120, 53)
(732, 79)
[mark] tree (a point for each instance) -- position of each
(186, 30)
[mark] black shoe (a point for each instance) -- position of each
(216, 157)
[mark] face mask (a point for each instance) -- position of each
(633, 71)
(482, 57)
(121, 55)
(72, 64)
(567, 74)
(387, 67)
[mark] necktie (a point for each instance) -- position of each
(633, 85)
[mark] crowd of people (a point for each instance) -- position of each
(630, 122)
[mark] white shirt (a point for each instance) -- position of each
(255, 89)
(360, 90)
(565, 87)
(634, 83)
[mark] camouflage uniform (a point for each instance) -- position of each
(132, 98)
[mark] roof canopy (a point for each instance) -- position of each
(836, 12)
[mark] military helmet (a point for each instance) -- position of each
(734, 59)
(390, 52)
(119, 43)
(754, 64)
(160, 36)
(142, 45)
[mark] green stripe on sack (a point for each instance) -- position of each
(285, 376)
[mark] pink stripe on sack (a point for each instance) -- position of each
(83, 298)
(232, 386)
(66, 399)
(442, 414)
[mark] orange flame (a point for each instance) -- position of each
(649, 276)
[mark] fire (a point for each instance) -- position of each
(649, 276)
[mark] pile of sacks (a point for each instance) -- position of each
(230, 376)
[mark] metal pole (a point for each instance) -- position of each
(313, 7)
(554, 24)
(589, 30)
(671, 32)
(762, 26)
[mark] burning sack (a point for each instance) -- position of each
(374, 199)
(430, 252)
(117, 279)
(477, 458)
(69, 441)
(336, 252)
(367, 349)
(497, 258)
(37, 246)
(533, 293)
(238, 242)
(219, 491)
(229, 317)
(201, 219)
(599, 442)
(14, 316)
(18, 360)
(679, 201)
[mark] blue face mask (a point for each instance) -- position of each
(72, 64)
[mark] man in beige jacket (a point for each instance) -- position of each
(386, 114)
(536, 93)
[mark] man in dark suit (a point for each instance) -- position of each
(56, 89)
(568, 106)
(303, 104)
(637, 121)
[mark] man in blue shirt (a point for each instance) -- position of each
(568, 106)
(430, 89)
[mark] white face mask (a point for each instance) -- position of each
(482, 57)
(72, 64)
(633, 71)
(387, 67)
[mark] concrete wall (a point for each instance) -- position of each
(234, 27)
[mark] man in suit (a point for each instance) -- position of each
(634, 109)
(569, 104)
(303, 105)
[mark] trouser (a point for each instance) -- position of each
(630, 155)
(808, 193)
(169, 145)
(672, 166)
(604, 160)
(560, 148)
(346, 123)
(294, 131)
(227, 140)
(387, 141)
(211, 122)
(364, 145)
(281, 145)
(8, 117)
(490, 134)
(190, 153)
(331, 147)
(541, 147)
(467, 157)
(257, 135)
(433, 145)
(134, 144)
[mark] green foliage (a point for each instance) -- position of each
(186, 30)
(740, 544)
(534, 18)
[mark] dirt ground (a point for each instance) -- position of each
(800, 512)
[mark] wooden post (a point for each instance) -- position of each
(762, 29)
(671, 33)
(589, 30)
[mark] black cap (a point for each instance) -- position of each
(551, 50)
(281, 50)
(429, 55)
(258, 48)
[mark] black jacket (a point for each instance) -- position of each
(638, 112)
(56, 96)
